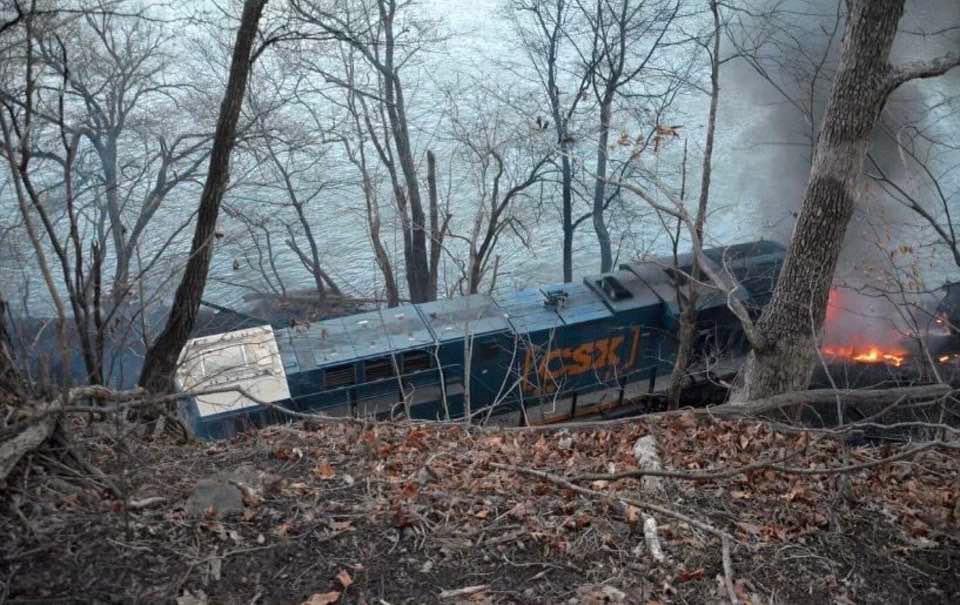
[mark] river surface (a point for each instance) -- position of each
(478, 44)
(759, 173)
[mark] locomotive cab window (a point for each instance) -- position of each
(340, 376)
(379, 369)
(415, 361)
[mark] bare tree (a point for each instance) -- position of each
(626, 36)
(291, 160)
(370, 28)
(784, 350)
(117, 91)
(506, 165)
(161, 358)
(17, 122)
(544, 28)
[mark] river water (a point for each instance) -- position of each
(479, 42)
(758, 180)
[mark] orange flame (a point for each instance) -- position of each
(860, 347)
(870, 354)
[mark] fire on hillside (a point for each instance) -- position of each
(858, 331)
(863, 330)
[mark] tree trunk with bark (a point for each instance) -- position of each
(161, 358)
(785, 356)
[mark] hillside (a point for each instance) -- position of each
(406, 513)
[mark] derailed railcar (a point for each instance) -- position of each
(532, 356)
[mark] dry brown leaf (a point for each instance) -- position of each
(688, 575)
(344, 578)
(324, 472)
(322, 598)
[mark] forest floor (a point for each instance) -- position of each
(407, 513)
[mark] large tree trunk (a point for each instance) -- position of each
(161, 359)
(785, 358)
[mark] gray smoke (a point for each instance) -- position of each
(793, 42)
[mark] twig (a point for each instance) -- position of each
(145, 503)
(728, 570)
(462, 592)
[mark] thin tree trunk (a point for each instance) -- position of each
(785, 357)
(688, 319)
(566, 173)
(11, 382)
(161, 359)
(599, 187)
(436, 231)
(417, 262)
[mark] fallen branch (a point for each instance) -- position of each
(622, 500)
(760, 407)
(776, 403)
(462, 592)
(723, 473)
(12, 450)
(726, 473)
(728, 571)
(145, 503)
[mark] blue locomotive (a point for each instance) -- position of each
(530, 356)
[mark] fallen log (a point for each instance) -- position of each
(877, 399)
(24, 442)
(814, 397)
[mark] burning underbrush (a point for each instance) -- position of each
(868, 331)
(401, 513)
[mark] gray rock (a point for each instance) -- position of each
(224, 491)
(217, 494)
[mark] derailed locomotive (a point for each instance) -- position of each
(530, 356)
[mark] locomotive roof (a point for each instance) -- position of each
(581, 304)
(454, 318)
(357, 336)
(623, 290)
(656, 279)
(526, 311)
(636, 285)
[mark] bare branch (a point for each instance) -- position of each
(914, 70)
